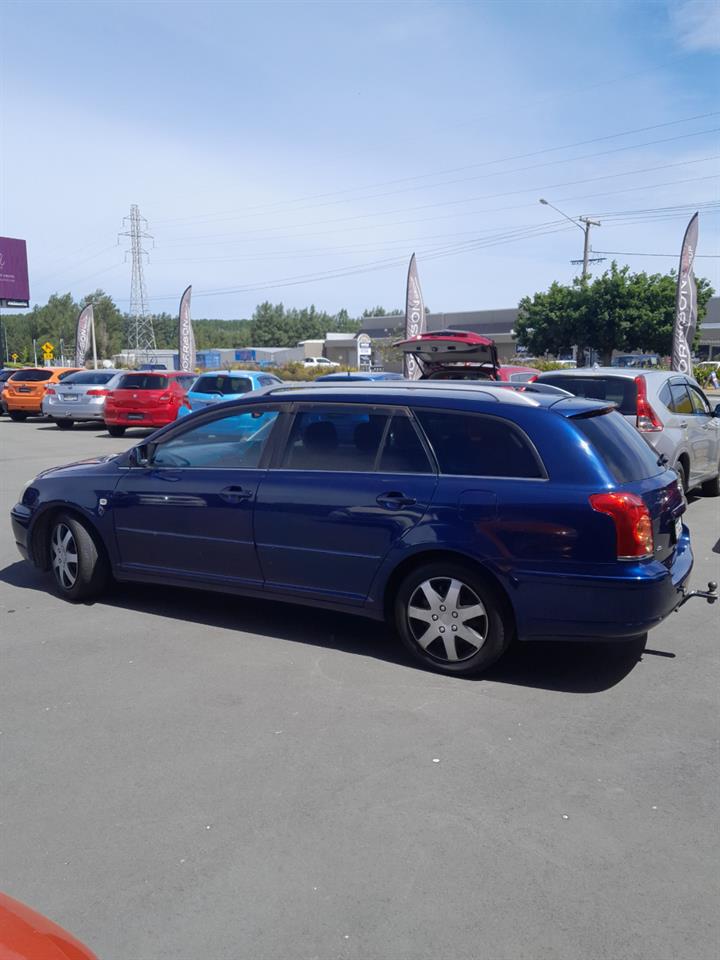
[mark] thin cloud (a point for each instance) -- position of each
(696, 23)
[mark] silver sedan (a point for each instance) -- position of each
(79, 398)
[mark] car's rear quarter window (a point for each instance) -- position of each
(625, 452)
(469, 444)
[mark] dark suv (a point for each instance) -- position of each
(461, 515)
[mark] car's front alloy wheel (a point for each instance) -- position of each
(78, 566)
(450, 619)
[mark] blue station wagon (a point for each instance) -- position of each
(462, 515)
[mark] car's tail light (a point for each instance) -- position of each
(647, 420)
(98, 393)
(633, 526)
(50, 390)
(165, 398)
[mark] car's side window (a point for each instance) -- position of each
(328, 438)
(403, 450)
(237, 440)
(468, 444)
(700, 404)
(681, 402)
(665, 396)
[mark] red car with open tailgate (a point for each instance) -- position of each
(461, 355)
(146, 399)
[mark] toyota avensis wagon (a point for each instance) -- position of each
(461, 515)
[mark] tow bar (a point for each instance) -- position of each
(710, 594)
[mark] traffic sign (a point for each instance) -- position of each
(14, 357)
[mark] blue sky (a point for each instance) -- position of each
(302, 151)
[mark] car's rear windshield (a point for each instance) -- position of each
(619, 390)
(626, 453)
(223, 384)
(90, 377)
(30, 376)
(143, 381)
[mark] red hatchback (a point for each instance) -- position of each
(145, 399)
(461, 355)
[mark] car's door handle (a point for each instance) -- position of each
(395, 499)
(235, 494)
(683, 424)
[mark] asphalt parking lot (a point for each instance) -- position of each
(203, 777)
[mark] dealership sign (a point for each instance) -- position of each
(14, 286)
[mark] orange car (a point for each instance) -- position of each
(24, 391)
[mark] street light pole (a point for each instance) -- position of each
(586, 224)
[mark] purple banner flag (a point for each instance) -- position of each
(186, 360)
(85, 322)
(686, 302)
(414, 317)
(14, 286)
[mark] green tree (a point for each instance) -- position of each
(618, 310)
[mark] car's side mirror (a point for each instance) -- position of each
(142, 455)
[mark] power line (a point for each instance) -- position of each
(674, 256)
(465, 200)
(518, 156)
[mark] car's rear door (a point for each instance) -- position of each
(349, 481)
(704, 431)
(188, 514)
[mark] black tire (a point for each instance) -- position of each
(452, 634)
(87, 575)
(682, 473)
(116, 431)
(64, 424)
(711, 488)
(18, 415)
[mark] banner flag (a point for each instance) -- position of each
(85, 323)
(186, 337)
(686, 302)
(414, 317)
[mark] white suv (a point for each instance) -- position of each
(668, 408)
(319, 362)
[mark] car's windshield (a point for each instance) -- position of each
(90, 377)
(625, 452)
(621, 391)
(222, 384)
(143, 381)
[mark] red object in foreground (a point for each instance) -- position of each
(633, 526)
(27, 935)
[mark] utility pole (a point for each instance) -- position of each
(587, 223)
(586, 246)
(141, 335)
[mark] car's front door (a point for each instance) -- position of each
(349, 483)
(188, 513)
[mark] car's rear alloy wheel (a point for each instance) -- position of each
(64, 424)
(450, 619)
(682, 473)
(79, 568)
(711, 488)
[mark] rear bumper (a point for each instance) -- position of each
(122, 418)
(74, 410)
(602, 608)
(24, 404)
